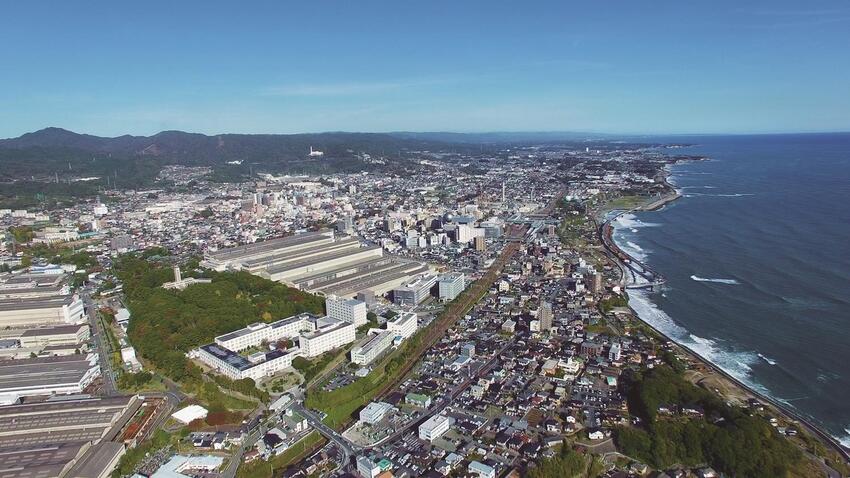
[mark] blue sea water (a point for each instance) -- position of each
(757, 258)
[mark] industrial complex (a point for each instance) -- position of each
(319, 262)
(66, 374)
(79, 437)
(38, 299)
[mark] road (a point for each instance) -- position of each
(247, 444)
(109, 388)
(448, 399)
(348, 449)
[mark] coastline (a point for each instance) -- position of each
(607, 234)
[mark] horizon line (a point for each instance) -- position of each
(457, 132)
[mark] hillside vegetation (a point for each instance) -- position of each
(724, 437)
(166, 324)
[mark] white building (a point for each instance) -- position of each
(450, 286)
(434, 427)
(374, 412)
(128, 356)
(237, 367)
(54, 310)
(181, 466)
(481, 470)
(367, 468)
(190, 413)
(57, 335)
(326, 338)
(373, 348)
(61, 375)
(348, 310)
(180, 283)
(614, 352)
(254, 334)
(465, 233)
(404, 325)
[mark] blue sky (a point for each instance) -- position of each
(282, 67)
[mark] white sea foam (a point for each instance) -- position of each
(635, 250)
(736, 363)
(845, 440)
(716, 281)
(634, 246)
(634, 230)
(630, 221)
(733, 195)
(767, 359)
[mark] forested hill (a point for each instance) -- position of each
(49, 151)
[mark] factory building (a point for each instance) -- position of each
(450, 286)
(320, 263)
(57, 335)
(31, 300)
(63, 375)
(54, 310)
(64, 438)
(30, 286)
(251, 255)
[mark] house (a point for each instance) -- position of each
(481, 470)
(707, 472)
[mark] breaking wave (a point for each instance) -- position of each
(767, 359)
(733, 195)
(736, 363)
(845, 440)
(634, 246)
(716, 281)
(630, 221)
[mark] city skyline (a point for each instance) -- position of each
(678, 69)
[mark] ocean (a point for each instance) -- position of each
(756, 254)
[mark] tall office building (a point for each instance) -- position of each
(545, 316)
(594, 282)
(480, 244)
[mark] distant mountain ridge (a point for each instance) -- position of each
(221, 146)
(171, 141)
(56, 153)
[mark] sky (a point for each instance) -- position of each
(660, 67)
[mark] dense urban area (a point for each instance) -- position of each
(446, 310)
